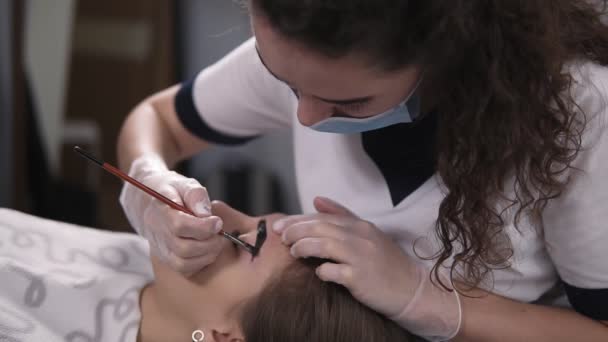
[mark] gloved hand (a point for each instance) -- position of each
(374, 269)
(186, 243)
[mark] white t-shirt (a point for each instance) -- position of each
(61, 282)
(386, 176)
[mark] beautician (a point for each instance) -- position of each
(451, 157)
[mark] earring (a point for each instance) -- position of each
(198, 336)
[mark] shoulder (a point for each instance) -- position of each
(241, 63)
(241, 78)
(589, 91)
(244, 54)
(587, 74)
(589, 88)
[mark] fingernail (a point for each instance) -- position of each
(218, 226)
(202, 208)
(278, 226)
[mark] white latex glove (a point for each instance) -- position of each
(186, 243)
(373, 268)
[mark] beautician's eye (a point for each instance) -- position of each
(356, 106)
(295, 92)
(345, 109)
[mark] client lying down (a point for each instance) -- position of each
(60, 282)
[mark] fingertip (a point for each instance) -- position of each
(337, 273)
(323, 204)
(320, 271)
(202, 208)
(219, 224)
(279, 225)
(321, 199)
(294, 252)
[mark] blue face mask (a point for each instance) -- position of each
(404, 112)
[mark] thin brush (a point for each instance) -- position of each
(116, 172)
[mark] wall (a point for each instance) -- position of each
(47, 34)
(6, 111)
(210, 29)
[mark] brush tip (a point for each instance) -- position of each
(87, 155)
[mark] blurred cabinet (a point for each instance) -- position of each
(122, 51)
(13, 123)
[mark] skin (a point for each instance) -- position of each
(174, 306)
(331, 87)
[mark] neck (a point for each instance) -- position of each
(161, 322)
(171, 306)
(169, 314)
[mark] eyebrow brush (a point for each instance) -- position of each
(254, 250)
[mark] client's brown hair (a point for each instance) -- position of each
(298, 306)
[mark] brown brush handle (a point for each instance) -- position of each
(143, 187)
(116, 172)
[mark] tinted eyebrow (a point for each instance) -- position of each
(338, 102)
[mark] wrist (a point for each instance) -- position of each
(142, 167)
(432, 312)
(147, 164)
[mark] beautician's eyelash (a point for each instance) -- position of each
(345, 109)
(356, 106)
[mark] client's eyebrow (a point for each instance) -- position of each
(345, 102)
(260, 238)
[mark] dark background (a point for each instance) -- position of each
(72, 70)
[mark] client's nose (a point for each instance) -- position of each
(249, 237)
(233, 219)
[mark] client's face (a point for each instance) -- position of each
(234, 277)
(215, 294)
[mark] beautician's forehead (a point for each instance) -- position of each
(341, 79)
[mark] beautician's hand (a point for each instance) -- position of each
(184, 242)
(373, 267)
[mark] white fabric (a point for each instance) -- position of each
(237, 89)
(577, 223)
(62, 282)
(239, 97)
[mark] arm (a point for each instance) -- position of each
(493, 318)
(153, 128)
(380, 275)
(152, 140)
(231, 102)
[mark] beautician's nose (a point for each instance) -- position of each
(311, 110)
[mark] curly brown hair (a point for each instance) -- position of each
(499, 70)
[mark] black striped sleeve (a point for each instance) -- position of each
(592, 303)
(194, 122)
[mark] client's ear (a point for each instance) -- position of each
(233, 219)
(227, 336)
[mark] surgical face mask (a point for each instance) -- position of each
(404, 112)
